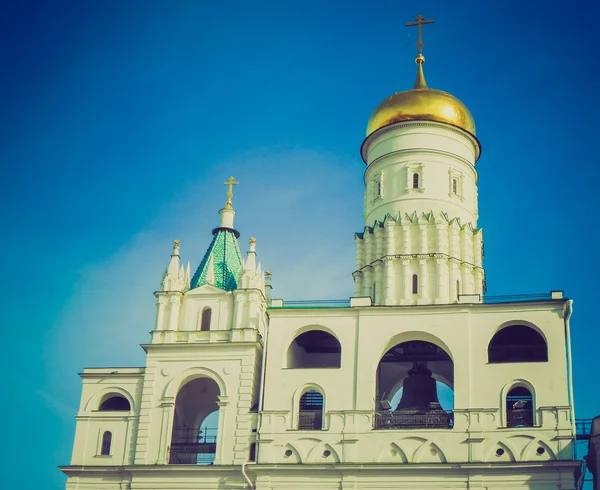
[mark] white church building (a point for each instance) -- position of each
(241, 390)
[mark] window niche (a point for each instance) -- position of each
(414, 178)
(114, 403)
(455, 184)
(205, 319)
(376, 188)
(517, 343)
(314, 349)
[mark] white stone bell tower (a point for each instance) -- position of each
(421, 244)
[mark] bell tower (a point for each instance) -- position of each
(420, 244)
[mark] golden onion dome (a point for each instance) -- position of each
(421, 104)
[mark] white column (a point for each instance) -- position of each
(390, 242)
(359, 252)
(442, 296)
(442, 238)
(423, 283)
(238, 309)
(221, 440)
(454, 276)
(406, 297)
(406, 239)
(165, 431)
(423, 239)
(175, 301)
(160, 312)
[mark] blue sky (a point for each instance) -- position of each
(121, 120)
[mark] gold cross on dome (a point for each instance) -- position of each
(230, 182)
(419, 21)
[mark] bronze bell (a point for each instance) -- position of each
(419, 390)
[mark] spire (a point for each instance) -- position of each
(223, 262)
(420, 83)
(251, 260)
(174, 264)
(251, 277)
(174, 277)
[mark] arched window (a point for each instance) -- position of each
(106, 440)
(314, 349)
(205, 321)
(415, 181)
(415, 284)
(252, 455)
(519, 408)
(310, 414)
(115, 403)
(517, 343)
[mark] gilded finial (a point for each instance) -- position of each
(252, 240)
(420, 59)
(176, 243)
(230, 182)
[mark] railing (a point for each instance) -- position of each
(310, 420)
(583, 428)
(317, 303)
(345, 303)
(411, 419)
(513, 298)
(519, 417)
(193, 446)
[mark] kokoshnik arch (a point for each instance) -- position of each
(346, 395)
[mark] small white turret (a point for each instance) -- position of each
(251, 276)
(174, 278)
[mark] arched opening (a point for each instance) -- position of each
(415, 284)
(415, 181)
(519, 408)
(310, 411)
(106, 441)
(415, 382)
(195, 425)
(517, 343)
(115, 403)
(205, 320)
(314, 349)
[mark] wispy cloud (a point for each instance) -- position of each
(304, 231)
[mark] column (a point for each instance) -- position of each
(222, 404)
(443, 294)
(454, 276)
(175, 301)
(423, 283)
(166, 430)
(406, 297)
(160, 312)
(390, 242)
(238, 310)
(423, 239)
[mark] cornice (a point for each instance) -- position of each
(421, 256)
